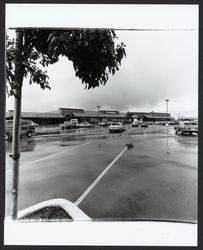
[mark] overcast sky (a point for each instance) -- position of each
(159, 65)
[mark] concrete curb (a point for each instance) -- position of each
(75, 213)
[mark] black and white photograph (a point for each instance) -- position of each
(101, 124)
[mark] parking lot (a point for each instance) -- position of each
(151, 173)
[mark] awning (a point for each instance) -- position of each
(157, 117)
(95, 114)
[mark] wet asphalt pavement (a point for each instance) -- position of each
(154, 179)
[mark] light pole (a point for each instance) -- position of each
(98, 112)
(167, 100)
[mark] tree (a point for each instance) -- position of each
(94, 55)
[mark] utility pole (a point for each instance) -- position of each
(167, 100)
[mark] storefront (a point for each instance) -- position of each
(151, 116)
(100, 116)
(41, 118)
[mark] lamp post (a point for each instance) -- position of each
(98, 112)
(167, 100)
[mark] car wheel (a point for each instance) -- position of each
(29, 134)
(7, 136)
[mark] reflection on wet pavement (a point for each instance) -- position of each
(25, 145)
(65, 145)
(156, 178)
(167, 147)
(187, 140)
(69, 139)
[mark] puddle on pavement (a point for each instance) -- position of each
(74, 137)
(45, 140)
(100, 137)
(129, 146)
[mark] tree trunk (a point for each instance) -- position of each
(16, 124)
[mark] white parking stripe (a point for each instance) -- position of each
(49, 156)
(78, 201)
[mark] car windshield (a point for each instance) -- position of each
(24, 123)
(9, 123)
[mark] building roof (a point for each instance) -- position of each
(37, 115)
(68, 111)
(151, 114)
(41, 115)
(138, 113)
(156, 117)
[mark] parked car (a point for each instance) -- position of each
(173, 123)
(108, 123)
(103, 124)
(157, 123)
(135, 124)
(34, 124)
(144, 124)
(187, 127)
(26, 128)
(116, 127)
(84, 125)
(68, 125)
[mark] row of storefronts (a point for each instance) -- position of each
(151, 116)
(64, 114)
(95, 116)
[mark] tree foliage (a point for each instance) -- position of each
(94, 55)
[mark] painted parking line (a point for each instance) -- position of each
(81, 198)
(49, 156)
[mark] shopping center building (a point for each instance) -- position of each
(91, 116)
